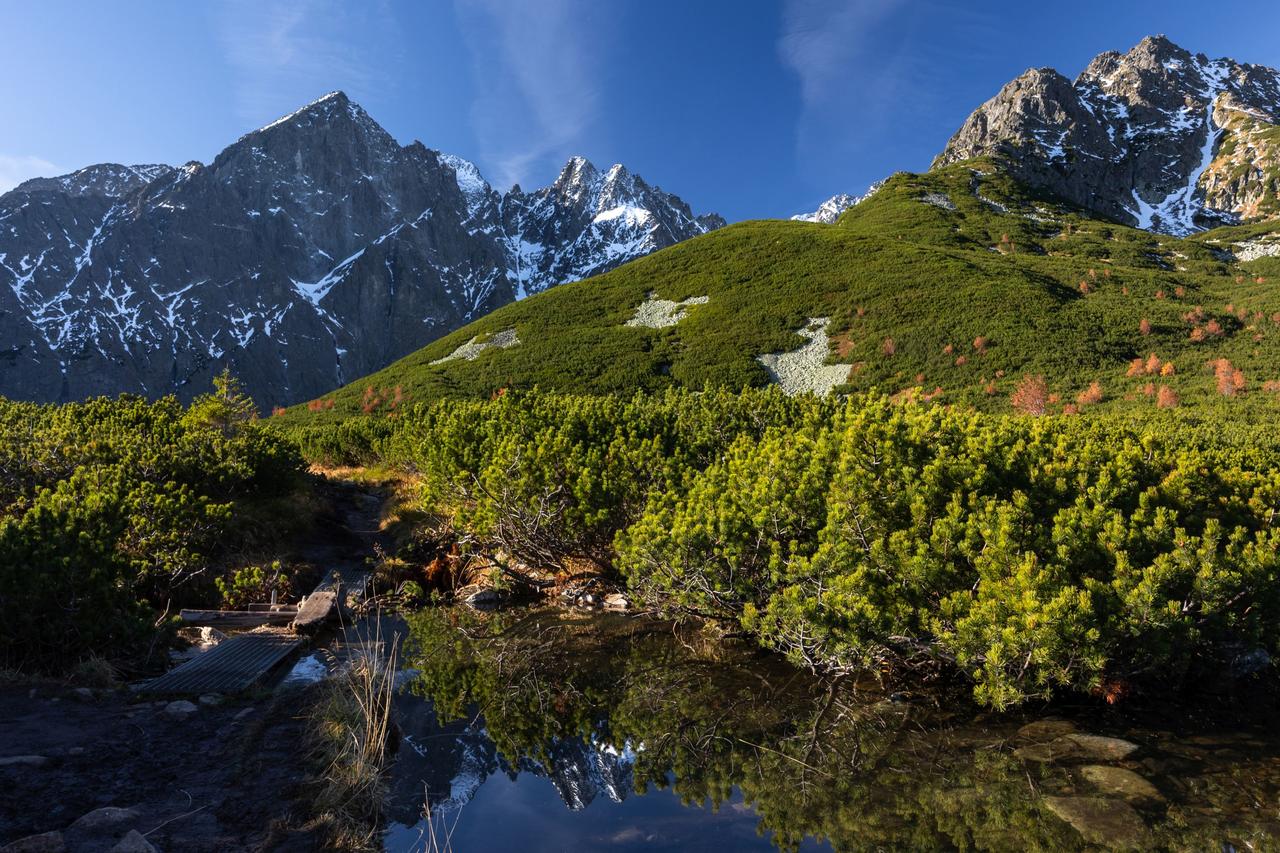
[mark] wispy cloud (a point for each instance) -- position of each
(535, 66)
(871, 69)
(284, 53)
(15, 170)
(848, 73)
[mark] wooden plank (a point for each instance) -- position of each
(316, 609)
(330, 596)
(238, 618)
(232, 666)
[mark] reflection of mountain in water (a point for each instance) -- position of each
(582, 771)
(445, 765)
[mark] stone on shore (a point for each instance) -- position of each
(180, 708)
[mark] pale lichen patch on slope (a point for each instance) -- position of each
(1261, 247)
(805, 369)
(655, 313)
(472, 349)
(941, 200)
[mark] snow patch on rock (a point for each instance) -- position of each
(655, 313)
(472, 349)
(805, 369)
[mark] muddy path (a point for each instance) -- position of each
(219, 774)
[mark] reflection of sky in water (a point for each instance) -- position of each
(528, 814)
(822, 756)
(308, 670)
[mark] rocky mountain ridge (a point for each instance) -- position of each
(1156, 137)
(310, 252)
(829, 211)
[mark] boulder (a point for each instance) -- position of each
(1121, 782)
(211, 699)
(133, 842)
(45, 842)
(1112, 824)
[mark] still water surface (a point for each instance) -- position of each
(550, 730)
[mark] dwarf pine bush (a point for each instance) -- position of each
(109, 508)
(1034, 554)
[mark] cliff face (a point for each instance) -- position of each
(1156, 137)
(308, 253)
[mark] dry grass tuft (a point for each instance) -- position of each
(353, 729)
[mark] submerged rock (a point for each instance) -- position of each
(1125, 783)
(1041, 731)
(1103, 748)
(1112, 824)
(104, 818)
(134, 842)
(1078, 746)
(45, 842)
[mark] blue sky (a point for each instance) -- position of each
(751, 108)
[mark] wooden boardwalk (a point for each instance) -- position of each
(232, 666)
(245, 660)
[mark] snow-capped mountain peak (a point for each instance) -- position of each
(829, 211)
(311, 251)
(1156, 137)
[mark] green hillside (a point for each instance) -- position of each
(954, 285)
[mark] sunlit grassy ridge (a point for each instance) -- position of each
(957, 283)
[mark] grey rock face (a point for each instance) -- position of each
(310, 252)
(1143, 138)
(585, 223)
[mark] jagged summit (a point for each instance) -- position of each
(584, 223)
(323, 107)
(311, 251)
(1156, 137)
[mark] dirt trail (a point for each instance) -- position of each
(224, 777)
